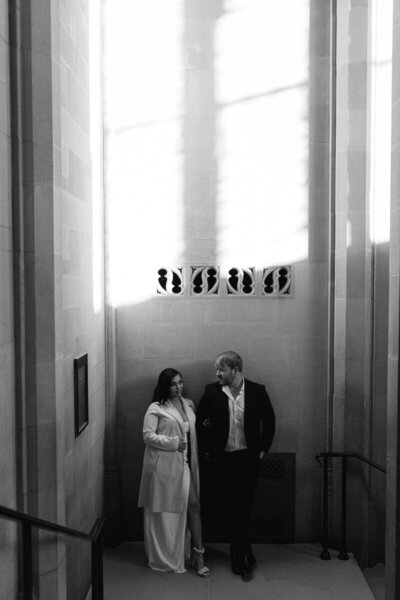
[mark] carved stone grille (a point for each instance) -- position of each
(273, 469)
(204, 281)
(273, 514)
(207, 281)
(170, 281)
(276, 281)
(241, 282)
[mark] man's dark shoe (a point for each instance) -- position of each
(237, 564)
(250, 559)
(246, 575)
(240, 566)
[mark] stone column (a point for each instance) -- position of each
(112, 499)
(392, 562)
(39, 423)
(353, 261)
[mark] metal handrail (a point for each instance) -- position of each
(350, 455)
(95, 537)
(343, 555)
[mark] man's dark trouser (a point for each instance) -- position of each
(236, 479)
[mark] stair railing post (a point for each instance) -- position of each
(27, 560)
(97, 568)
(325, 552)
(343, 542)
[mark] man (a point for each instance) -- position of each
(236, 425)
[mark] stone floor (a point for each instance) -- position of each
(376, 581)
(284, 572)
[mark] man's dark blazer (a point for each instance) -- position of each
(259, 419)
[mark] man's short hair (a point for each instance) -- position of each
(231, 359)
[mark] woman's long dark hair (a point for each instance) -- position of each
(161, 391)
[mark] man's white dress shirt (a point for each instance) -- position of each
(236, 437)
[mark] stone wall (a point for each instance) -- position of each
(228, 167)
(392, 574)
(58, 238)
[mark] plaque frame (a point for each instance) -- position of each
(81, 393)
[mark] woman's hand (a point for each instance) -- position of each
(182, 445)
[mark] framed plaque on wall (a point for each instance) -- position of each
(81, 393)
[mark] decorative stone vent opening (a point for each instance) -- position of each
(207, 281)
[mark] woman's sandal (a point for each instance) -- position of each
(196, 554)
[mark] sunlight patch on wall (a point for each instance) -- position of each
(96, 149)
(262, 66)
(380, 141)
(144, 105)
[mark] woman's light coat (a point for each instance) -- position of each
(161, 486)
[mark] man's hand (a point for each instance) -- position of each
(262, 454)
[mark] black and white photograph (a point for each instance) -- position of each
(200, 299)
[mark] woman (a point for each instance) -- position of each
(169, 488)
